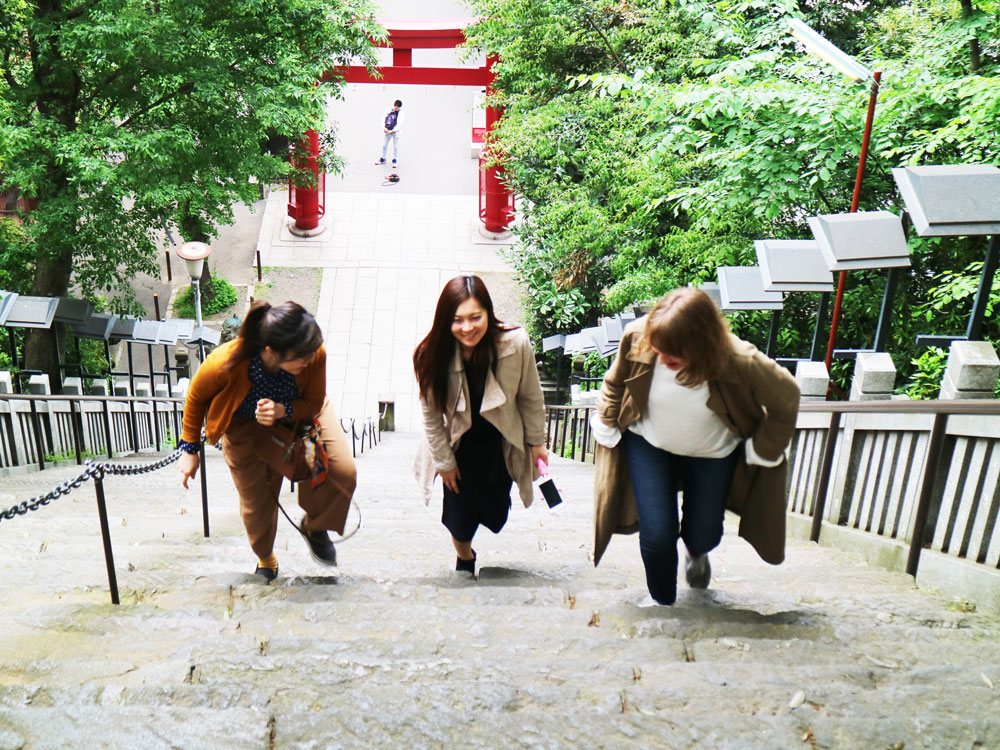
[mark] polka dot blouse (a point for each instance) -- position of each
(279, 386)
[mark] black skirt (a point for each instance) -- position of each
(483, 496)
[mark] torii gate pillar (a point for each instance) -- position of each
(496, 201)
(307, 190)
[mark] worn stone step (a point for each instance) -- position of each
(393, 648)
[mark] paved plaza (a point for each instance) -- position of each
(385, 259)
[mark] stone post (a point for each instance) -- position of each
(72, 387)
(813, 380)
(972, 371)
(180, 389)
(874, 377)
(39, 385)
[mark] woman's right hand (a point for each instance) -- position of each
(189, 463)
(450, 479)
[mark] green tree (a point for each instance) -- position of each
(704, 127)
(122, 116)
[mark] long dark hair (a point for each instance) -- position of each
(433, 355)
(686, 324)
(287, 328)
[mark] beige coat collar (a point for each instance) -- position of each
(493, 395)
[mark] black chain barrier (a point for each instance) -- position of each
(94, 469)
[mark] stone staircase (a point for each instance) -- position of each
(393, 649)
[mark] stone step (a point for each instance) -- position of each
(393, 647)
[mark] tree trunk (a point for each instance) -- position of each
(58, 85)
(975, 61)
(52, 276)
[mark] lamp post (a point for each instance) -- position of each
(194, 254)
(825, 50)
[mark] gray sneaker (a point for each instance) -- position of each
(698, 571)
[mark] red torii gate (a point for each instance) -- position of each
(496, 202)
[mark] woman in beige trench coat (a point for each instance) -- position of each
(484, 416)
(686, 403)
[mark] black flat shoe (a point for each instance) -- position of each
(268, 574)
(321, 548)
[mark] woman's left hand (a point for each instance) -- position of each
(268, 412)
(539, 452)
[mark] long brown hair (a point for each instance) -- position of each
(287, 328)
(433, 355)
(686, 324)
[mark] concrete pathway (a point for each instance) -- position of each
(393, 649)
(388, 250)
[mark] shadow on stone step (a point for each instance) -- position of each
(704, 614)
(312, 581)
(497, 576)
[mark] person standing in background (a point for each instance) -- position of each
(392, 123)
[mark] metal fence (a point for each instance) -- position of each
(39, 430)
(922, 473)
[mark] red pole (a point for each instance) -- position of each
(497, 216)
(307, 198)
(865, 139)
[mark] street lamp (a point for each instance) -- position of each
(194, 254)
(824, 49)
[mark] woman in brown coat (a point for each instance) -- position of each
(274, 371)
(687, 404)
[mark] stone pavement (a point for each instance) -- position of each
(394, 649)
(385, 259)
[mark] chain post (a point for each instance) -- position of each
(102, 511)
(204, 491)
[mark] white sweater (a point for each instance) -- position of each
(677, 419)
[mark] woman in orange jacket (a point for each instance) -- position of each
(274, 371)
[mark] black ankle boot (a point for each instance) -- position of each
(466, 566)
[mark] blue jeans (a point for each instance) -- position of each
(394, 137)
(656, 477)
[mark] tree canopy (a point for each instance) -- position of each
(120, 117)
(654, 140)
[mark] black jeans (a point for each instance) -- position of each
(656, 476)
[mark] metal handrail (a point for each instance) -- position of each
(61, 397)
